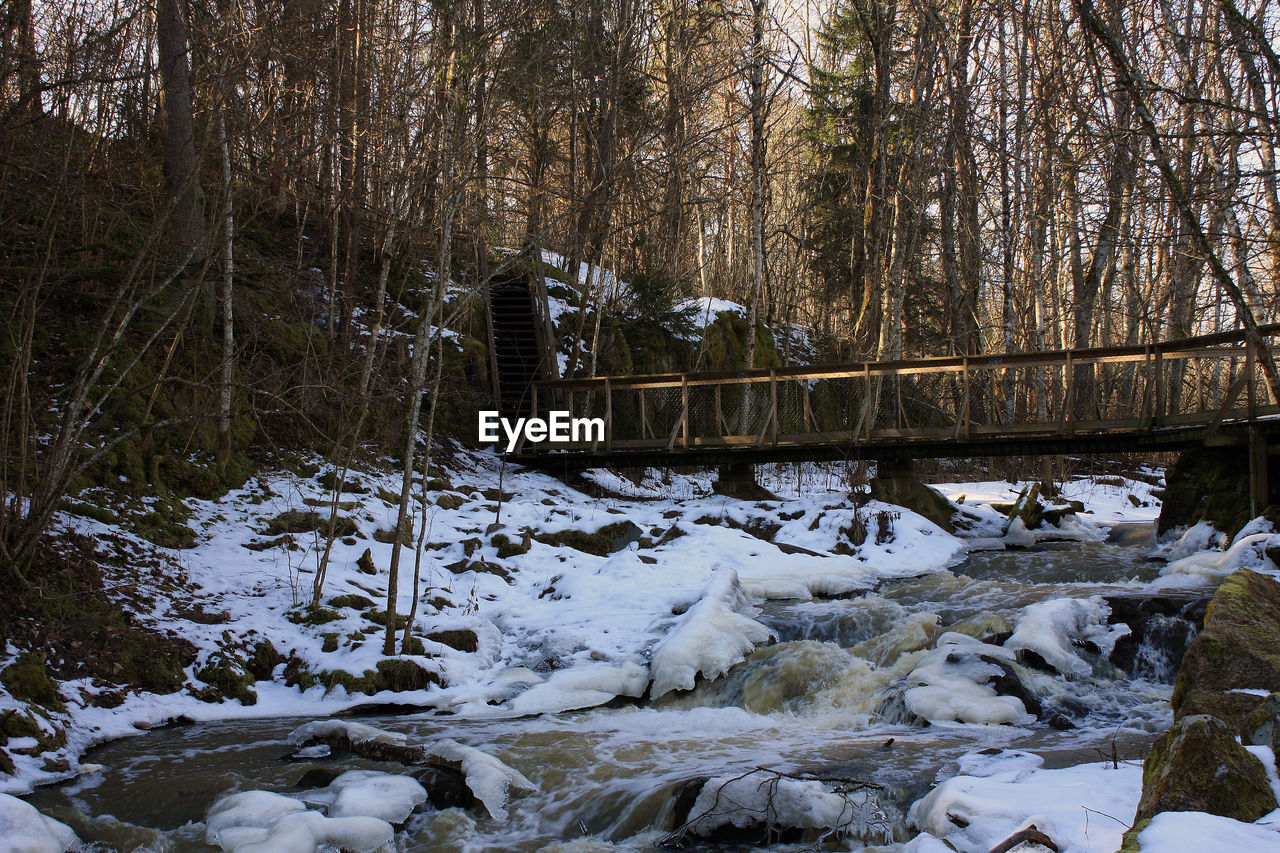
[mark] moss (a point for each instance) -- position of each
(365, 564)
(330, 643)
(398, 675)
(297, 521)
(228, 675)
(450, 501)
(462, 640)
(388, 536)
(298, 674)
(6, 764)
(27, 678)
(379, 617)
(357, 602)
(286, 541)
(1198, 766)
(264, 660)
(1131, 844)
(415, 647)
(606, 540)
(314, 616)
(15, 724)
(351, 485)
(88, 510)
(507, 548)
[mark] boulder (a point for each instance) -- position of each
(1238, 648)
(1197, 766)
(1209, 484)
(1261, 726)
(1160, 629)
(895, 483)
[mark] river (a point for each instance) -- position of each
(818, 701)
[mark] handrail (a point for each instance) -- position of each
(1174, 348)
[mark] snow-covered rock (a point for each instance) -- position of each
(487, 777)
(767, 799)
(710, 637)
(264, 822)
(583, 686)
(369, 793)
(1051, 629)
(24, 830)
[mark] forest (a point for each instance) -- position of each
(253, 254)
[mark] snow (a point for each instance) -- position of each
(769, 798)
(369, 793)
(710, 637)
(1084, 809)
(24, 830)
(487, 777)
(1195, 832)
(1211, 567)
(308, 832)
(583, 686)
(948, 684)
(1052, 628)
(351, 730)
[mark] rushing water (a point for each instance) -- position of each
(811, 703)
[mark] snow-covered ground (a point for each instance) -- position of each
(567, 601)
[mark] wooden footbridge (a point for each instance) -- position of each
(1173, 395)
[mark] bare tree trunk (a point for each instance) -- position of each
(187, 225)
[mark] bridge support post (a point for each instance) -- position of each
(1259, 493)
(738, 480)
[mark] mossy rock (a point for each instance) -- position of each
(351, 485)
(314, 616)
(379, 617)
(15, 724)
(27, 678)
(1261, 726)
(507, 548)
(330, 643)
(1238, 648)
(365, 564)
(298, 521)
(229, 676)
(264, 660)
(399, 675)
(450, 501)
(462, 640)
(352, 600)
(1197, 766)
(298, 674)
(603, 542)
(388, 536)
(6, 764)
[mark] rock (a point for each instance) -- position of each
(1197, 766)
(1239, 647)
(1160, 629)
(1261, 726)
(895, 483)
(1209, 484)
(446, 787)
(463, 640)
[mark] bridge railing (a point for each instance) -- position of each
(1201, 381)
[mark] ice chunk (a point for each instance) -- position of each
(709, 638)
(1248, 552)
(1051, 629)
(950, 684)
(764, 797)
(263, 822)
(583, 686)
(487, 777)
(247, 809)
(308, 832)
(371, 793)
(24, 830)
(354, 732)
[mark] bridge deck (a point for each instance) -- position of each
(1149, 397)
